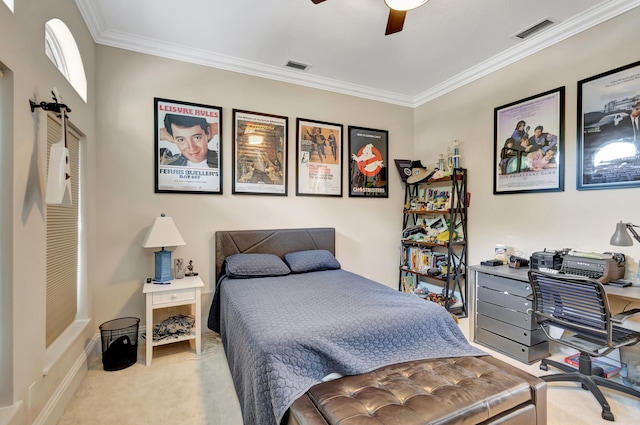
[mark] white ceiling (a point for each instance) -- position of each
(444, 44)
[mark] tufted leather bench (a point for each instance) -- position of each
(464, 390)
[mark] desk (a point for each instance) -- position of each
(497, 336)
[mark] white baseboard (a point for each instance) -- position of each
(53, 410)
(7, 413)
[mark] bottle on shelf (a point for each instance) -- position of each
(456, 154)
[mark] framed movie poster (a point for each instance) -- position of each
(608, 129)
(528, 153)
(318, 158)
(188, 141)
(368, 163)
(259, 153)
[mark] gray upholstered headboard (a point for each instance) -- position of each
(277, 241)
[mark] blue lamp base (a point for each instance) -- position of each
(163, 266)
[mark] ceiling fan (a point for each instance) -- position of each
(397, 12)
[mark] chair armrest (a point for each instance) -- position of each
(620, 317)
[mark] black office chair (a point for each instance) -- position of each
(579, 306)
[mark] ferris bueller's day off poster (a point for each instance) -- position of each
(368, 162)
(187, 147)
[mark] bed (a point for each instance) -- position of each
(290, 318)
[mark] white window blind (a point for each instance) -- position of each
(62, 243)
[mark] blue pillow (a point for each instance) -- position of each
(311, 261)
(243, 266)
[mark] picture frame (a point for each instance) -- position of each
(368, 163)
(188, 147)
(318, 158)
(608, 141)
(178, 268)
(259, 153)
(528, 155)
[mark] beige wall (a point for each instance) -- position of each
(367, 229)
(120, 193)
(582, 220)
(32, 76)
(122, 203)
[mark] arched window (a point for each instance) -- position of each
(9, 4)
(61, 48)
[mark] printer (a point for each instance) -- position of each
(548, 259)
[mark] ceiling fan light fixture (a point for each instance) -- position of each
(404, 5)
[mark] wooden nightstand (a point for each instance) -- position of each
(162, 300)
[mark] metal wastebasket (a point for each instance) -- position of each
(119, 343)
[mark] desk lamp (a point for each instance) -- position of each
(163, 232)
(621, 237)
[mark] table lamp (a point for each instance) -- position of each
(621, 236)
(163, 232)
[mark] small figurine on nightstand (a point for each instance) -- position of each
(190, 268)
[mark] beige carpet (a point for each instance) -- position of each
(178, 388)
(181, 388)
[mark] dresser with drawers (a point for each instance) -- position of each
(500, 313)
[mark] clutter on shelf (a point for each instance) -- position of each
(433, 243)
(173, 327)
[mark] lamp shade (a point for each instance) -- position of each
(404, 4)
(621, 236)
(163, 232)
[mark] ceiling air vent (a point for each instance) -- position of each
(296, 65)
(534, 29)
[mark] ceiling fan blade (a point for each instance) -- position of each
(395, 21)
(317, 1)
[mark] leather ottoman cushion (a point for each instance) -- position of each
(464, 390)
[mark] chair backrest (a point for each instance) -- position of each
(576, 304)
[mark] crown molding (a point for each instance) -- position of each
(228, 63)
(586, 20)
(92, 16)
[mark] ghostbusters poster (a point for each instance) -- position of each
(368, 163)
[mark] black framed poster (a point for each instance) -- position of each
(259, 153)
(318, 158)
(368, 163)
(609, 129)
(529, 144)
(187, 147)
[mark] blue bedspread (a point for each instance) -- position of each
(284, 334)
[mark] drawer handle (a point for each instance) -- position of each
(174, 296)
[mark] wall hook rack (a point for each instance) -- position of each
(50, 106)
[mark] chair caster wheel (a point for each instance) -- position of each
(607, 416)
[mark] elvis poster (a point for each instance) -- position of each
(368, 163)
(187, 147)
(319, 158)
